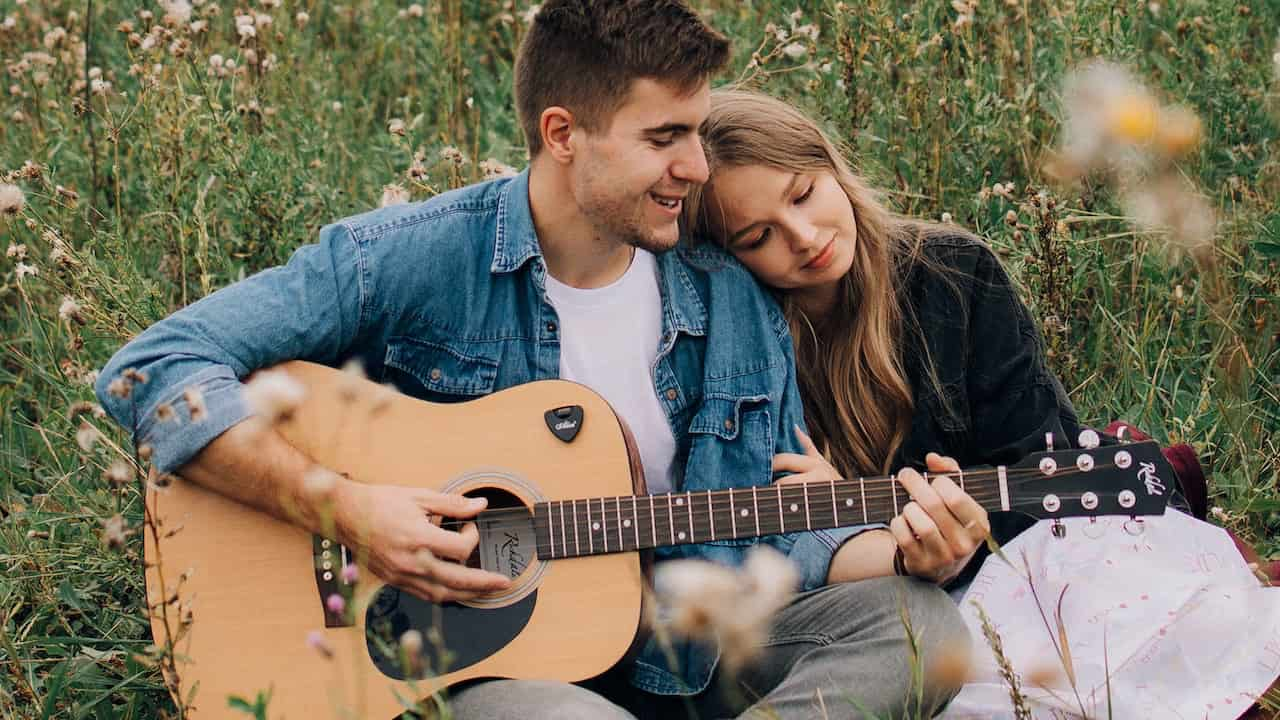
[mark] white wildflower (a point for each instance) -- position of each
(24, 270)
(736, 607)
(12, 199)
(87, 436)
(176, 12)
(274, 395)
(416, 11)
(18, 251)
(70, 309)
(395, 126)
(301, 19)
(394, 194)
(120, 473)
(795, 50)
(99, 86)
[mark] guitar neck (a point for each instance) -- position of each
(597, 526)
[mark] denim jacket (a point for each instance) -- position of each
(446, 299)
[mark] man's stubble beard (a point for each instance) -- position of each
(618, 219)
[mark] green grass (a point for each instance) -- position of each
(187, 181)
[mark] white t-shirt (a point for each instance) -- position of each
(609, 339)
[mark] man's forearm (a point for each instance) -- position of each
(254, 465)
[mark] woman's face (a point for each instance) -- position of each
(794, 231)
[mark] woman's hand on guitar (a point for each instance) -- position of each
(809, 467)
(942, 527)
(397, 540)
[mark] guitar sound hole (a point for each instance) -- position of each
(455, 636)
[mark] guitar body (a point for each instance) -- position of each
(255, 586)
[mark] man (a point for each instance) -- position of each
(561, 271)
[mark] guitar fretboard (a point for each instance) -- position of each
(596, 526)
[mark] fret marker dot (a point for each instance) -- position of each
(595, 526)
(794, 507)
(680, 535)
(848, 503)
(744, 512)
(679, 501)
(626, 523)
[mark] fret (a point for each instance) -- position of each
(733, 515)
(835, 507)
(893, 485)
(808, 521)
(591, 542)
(564, 544)
(689, 509)
(671, 518)
(782, 523)
(711, 515)
(862, 486)
(635, 519)
(962, 480)
(617, 506)
(653, 523)
(755, 509)
(577, 547)
(822, 506)
(604, 525)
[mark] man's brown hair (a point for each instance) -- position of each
(582, 55)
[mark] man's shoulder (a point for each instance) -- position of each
(732, 293)
(435, 216)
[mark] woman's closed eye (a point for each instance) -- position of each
(805, 196)
(757, 243)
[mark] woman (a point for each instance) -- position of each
(909, 337)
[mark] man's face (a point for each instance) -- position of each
(630, 178)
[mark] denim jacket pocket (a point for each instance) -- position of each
(439, 372)
(732, 442)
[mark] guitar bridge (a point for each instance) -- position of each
(329, 558)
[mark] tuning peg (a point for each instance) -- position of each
(1089, 439)
(1058, 529)
(1135, 526)
(1048, 441)
(1122, 433)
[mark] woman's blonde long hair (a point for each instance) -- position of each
(857, 399)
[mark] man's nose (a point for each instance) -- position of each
(691, 166)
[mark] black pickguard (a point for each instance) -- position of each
(454, 636)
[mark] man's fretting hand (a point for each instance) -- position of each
(390, 528)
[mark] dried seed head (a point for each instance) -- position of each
(12, 199)
(18, 252)
(87, 436)
(394, 194)
(165, 413)
(70, 310)
(120, 388)
(115, 532)
(119, 473)
(395, 126)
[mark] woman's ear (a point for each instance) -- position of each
(556, 124)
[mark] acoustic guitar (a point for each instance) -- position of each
(567, 517)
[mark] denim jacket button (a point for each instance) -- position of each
(672, 394)
(551, 327)
(435, 373)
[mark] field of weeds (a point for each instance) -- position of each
(153, 152)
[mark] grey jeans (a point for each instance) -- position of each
(840, 651)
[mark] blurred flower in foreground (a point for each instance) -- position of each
(1112, 121)
(274, 395)
(736, 607)
(12, 199)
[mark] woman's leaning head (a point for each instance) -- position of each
(784, 201)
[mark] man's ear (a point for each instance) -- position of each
(557, 125)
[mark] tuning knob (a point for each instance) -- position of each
(1089, 439)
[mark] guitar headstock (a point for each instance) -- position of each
(1127, 479)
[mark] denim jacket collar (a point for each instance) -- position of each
(516, 243)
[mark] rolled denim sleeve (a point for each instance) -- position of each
(311, 308)
(811, 551)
